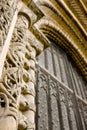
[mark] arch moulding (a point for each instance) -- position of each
(55, 32)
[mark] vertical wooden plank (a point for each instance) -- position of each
(54, 107)
(50, 62)
(70, 105)
(63, 108)
(42, 106)
(41, 60)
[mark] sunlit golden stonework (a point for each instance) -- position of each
(43, 64)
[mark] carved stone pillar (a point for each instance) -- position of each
(17, 92)
(8, 16)
(8, 106)
(17, 84)
(11, 82)
(7, 10)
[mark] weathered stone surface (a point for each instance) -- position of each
(8, 123)
(7, 9)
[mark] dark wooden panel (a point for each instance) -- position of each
(60, 93)
(57, 106)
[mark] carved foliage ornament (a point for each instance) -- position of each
(7, 9)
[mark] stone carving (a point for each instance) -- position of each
(9, 93)
(8, 109)
(7, 9)
(17, 83)
(22, 121)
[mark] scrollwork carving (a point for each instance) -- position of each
(18, 72)
(7, 9)
(4, 104)
(22, 122)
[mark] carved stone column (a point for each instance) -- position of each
(8, 16)
(11, 82)
(7, 10)
(17, 84)
(8, 106)
(17, 92)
